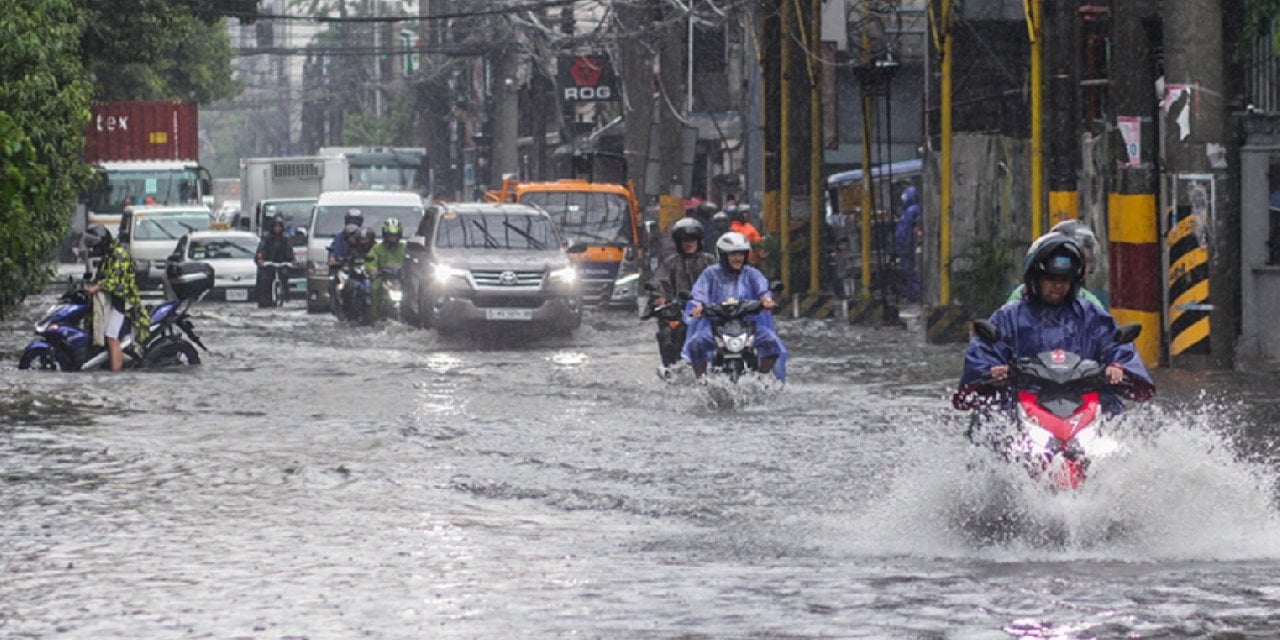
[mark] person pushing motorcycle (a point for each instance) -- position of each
(115, 279)
(386, 255)
(733, 278)
(677, 274)
(1052, 315)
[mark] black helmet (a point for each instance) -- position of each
(277, 219)
(1053, 255)
(351, 230)
(721, 219)
(96, 239)
(686, 229)
(365, 235)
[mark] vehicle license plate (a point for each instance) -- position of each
(237, 295)
(508, 314)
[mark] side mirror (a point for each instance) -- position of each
(300, 233)
(1126, 334)
(575, 246)
(777, 287)
(987, 331)
(629, 254)
(174, 257)
(650, 287)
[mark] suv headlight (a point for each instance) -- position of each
(443, 273)
(567, 275)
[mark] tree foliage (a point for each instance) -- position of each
(160, 49)
(44, 103)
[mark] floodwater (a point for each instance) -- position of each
(317, 481)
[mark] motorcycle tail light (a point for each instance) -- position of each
(674, 324)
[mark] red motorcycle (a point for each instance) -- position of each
(1047, 414)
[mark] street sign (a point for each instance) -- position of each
(587, 78)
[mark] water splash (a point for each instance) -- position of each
(1179, 491)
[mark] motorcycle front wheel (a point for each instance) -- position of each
(277, 292)
(43, 359)
(170, 352)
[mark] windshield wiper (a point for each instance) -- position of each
(533, 242)
(489, 241)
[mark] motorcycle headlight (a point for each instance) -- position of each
(735, 344)
(567, 275)
(443, 273)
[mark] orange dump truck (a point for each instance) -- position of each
(604, 216)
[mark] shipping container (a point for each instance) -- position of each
(142, 130)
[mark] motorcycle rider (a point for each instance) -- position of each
(340, 246)
(1052, 316)
(732, 277)
(388, 254)
(274, 247)
(1080, 232)
(719, 226)
(359, 243)
(116, 281)
(675, 275)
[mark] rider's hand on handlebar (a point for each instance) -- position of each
(999, 372)
(91, 289)
(768, 303)
(696, 311)
(1114, 373)
(659, 301)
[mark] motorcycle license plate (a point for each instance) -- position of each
(237, 295)
(508, 314)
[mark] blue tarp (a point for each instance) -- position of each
(896, 168)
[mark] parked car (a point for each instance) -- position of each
(149, 233)
(230, 253)
(326, 223)
(476, 263)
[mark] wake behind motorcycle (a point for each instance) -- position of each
(1049, 417)
(66, 342)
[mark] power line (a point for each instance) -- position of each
(532, 6)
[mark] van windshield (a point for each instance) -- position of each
(328, 220)
(168, 226)
(496, 231)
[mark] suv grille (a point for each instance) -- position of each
(492, 278)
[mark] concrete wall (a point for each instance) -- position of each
(1259, 343)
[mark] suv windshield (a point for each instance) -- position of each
(168, 226)
(328, 220)
(590, 216)
(496, 231)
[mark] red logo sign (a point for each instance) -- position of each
(1059, 356)
(586, 72)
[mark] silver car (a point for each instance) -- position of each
(485, 263)
(230, 253)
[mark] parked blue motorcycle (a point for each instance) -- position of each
(66, 340)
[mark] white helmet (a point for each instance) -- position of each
(731, 242)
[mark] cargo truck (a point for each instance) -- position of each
(142, 153)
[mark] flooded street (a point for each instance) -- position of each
(316, 481)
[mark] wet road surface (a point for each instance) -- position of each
(316, 481)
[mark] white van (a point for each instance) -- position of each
(327, 222)
(151, 232)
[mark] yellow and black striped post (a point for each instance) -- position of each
(1188, 267)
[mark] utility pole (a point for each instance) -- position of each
(504, 152)
(815, 143)
(784, 147)
(1061, 35)
(1035, 31)
(1200, 212)
(1132, 219)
